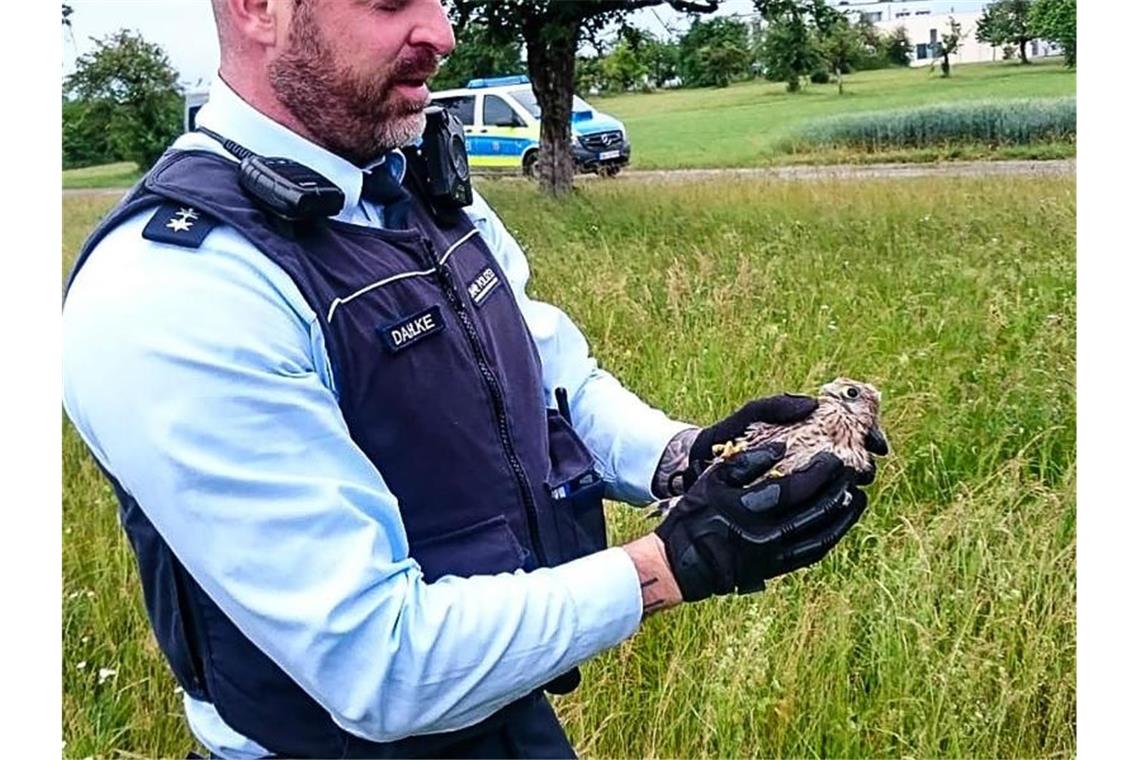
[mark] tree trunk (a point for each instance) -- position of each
(839, 76)
(550, 61)
(1023, 43)
(946, 64)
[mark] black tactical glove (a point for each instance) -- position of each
(729, 533)
(777, 410)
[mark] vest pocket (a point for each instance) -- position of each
(484, 548)
(575, 489)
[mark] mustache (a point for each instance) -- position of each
(420, 65)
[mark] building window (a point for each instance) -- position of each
(902, 14)
(873, 18)
(922, 13)
(933, 37)
(921, 52)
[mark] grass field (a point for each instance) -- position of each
(944, 625)
(121, 174)
(746, 124)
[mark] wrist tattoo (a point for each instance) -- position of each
(674, 461)
(658, 587)
(652, 600)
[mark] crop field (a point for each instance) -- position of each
(944, 625)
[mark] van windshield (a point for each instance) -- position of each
(527, 100)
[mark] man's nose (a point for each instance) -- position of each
(434, 29)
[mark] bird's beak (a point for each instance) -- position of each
(877, 442)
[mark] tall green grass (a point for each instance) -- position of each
(993, 123)
(944, 625)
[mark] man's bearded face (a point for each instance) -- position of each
(356, 111)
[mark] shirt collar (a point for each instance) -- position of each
(231, 117)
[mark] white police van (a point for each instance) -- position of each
(501, 119)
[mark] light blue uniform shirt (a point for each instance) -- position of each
(200, 378)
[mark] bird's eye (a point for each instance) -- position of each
(851, 393)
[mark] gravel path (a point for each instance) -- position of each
(869, 171)
(840, 171)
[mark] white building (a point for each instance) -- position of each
(927, 21)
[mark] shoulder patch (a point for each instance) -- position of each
(178, 224)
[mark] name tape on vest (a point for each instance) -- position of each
(482, 286)
(412, 330)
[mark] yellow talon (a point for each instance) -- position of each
(728, 450)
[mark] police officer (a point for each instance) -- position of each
(364, 524)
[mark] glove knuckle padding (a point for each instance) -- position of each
(761, 499)
(750, 465)
(802, 485)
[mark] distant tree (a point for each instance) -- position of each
(657, 58)
(722, 64)
(478, 53)
(67, 11)
(131, 91)
(663, 59)
(841, 44)
(714, 53)
(1056, 21)
(789, 50)
(623, 68)
(949, 45)
(1006, 22)
(896, 48)
(589, 74)
(85, 138)
(790, 45)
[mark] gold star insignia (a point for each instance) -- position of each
(180, 224)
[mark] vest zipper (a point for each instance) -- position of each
(443, 275)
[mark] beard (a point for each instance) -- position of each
(356, 116)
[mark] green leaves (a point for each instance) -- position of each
(124, 98)
(714, 53)
(1006, 22)
(1056, 21)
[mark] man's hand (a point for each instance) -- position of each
(729, 533)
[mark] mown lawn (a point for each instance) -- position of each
(121, 174)
(745, 124)
(943, 626)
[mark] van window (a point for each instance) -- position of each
(526, 99)
(496, 112)
(463, 107)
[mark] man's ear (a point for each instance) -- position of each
(261, 22)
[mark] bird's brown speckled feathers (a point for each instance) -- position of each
(848, 411)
